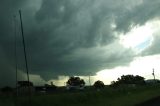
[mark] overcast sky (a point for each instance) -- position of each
(79, 38)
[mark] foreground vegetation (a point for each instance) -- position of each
(122, 96)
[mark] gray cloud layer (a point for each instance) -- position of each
(154, 48)
(70, 37)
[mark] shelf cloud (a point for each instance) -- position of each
(71, 37)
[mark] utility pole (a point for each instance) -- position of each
(25, 54)
(24, 45)
(15, 52)
(154, 75)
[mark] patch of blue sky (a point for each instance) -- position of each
(144, 44)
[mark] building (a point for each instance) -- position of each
(25, 87)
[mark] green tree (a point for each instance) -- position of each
(98, 84)
(75, 81)
(129, 79)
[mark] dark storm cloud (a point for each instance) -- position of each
(6, 57)
(142, 13)
(70, 37)
(66, 27)
(5, 70)
(9, 8)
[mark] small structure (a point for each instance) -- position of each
(152, 81)
(24, 83)
(40, 89)
(71, 87)
(25, 87)
(46, 88)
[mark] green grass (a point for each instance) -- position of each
(107, 97)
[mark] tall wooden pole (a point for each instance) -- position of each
(15, 53)
(16, 67)
(154, 75)
(24, 46)
(25, 55)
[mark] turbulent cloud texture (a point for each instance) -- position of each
(70, 37)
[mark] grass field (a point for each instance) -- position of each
(124, 96)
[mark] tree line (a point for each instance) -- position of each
(123, 80)
(78, 83)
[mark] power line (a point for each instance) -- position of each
(15, 53)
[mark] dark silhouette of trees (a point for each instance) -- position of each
(75, 81)
(6, 89)
(98, 84)
(129, 79)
